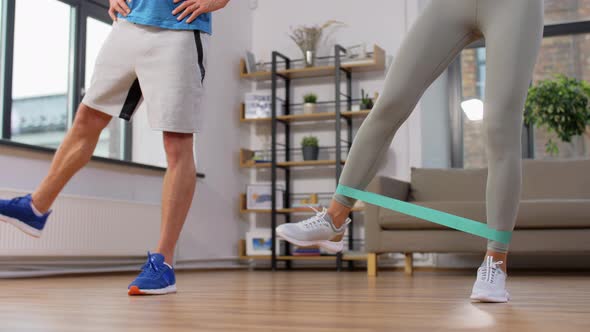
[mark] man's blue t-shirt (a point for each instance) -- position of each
(159, 13)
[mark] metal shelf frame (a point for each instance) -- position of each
(342, 75)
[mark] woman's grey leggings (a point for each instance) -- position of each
(512, 30)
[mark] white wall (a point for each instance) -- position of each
(24, 170)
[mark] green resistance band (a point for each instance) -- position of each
(438, 217)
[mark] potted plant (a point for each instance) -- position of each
(308, 38)
(310, 147)
(561, 106)
(366, 102)
(309, 103)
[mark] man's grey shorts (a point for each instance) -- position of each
(165, 68)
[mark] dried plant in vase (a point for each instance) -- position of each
(308, 38)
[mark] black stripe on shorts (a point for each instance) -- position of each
(200, 54)
(133, 97)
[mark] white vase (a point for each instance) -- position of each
(309, 58)
(309, 108)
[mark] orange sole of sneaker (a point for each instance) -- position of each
(134, 290)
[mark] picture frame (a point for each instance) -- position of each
(251, 66)
(258, 197)
(258, 105)
(258, 242)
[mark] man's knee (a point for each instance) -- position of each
(177, 146)
(91, 120)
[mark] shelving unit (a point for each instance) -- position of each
(342, 72)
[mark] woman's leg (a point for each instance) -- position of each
(513, 32)
(437, 36)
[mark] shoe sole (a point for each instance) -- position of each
(21, 225)
(134, 290)
(331, 246)
(490, 299)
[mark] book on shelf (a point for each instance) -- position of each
(306, 251)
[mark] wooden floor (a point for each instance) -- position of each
(296, 301)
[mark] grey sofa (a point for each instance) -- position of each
(554, 214)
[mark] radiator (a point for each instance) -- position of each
(87, 227)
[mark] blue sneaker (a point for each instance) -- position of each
(156, 278)
(19, 213)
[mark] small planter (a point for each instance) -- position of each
(366, 102)
(366, 106)
(311, 152)
(309, 108)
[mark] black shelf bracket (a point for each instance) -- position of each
(286, 108)
(338, 52)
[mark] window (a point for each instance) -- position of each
(563, 11)
(473, 69)
(110, 142)
(568, 55)
(566, 52)
(41, 66)
(49, 49)
(2, 31)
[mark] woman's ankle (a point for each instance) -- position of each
(338, 212)
(498, 256)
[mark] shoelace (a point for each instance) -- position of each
(316, 221)
(16, 200)
(490, 269)
(150, 268)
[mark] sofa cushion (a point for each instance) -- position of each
(454, 184)
(542, 179)
(532, 214)
(563, 179)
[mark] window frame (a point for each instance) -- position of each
(456, 96)
(82, 9)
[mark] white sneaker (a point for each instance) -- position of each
(490, 285)
(315, 231)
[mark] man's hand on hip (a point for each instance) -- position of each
(194, 8)
(118, 6)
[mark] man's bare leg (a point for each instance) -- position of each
(178, 190)
(74, 152)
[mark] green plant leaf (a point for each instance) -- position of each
(310, 98)
(309, 141)
(560, 105)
